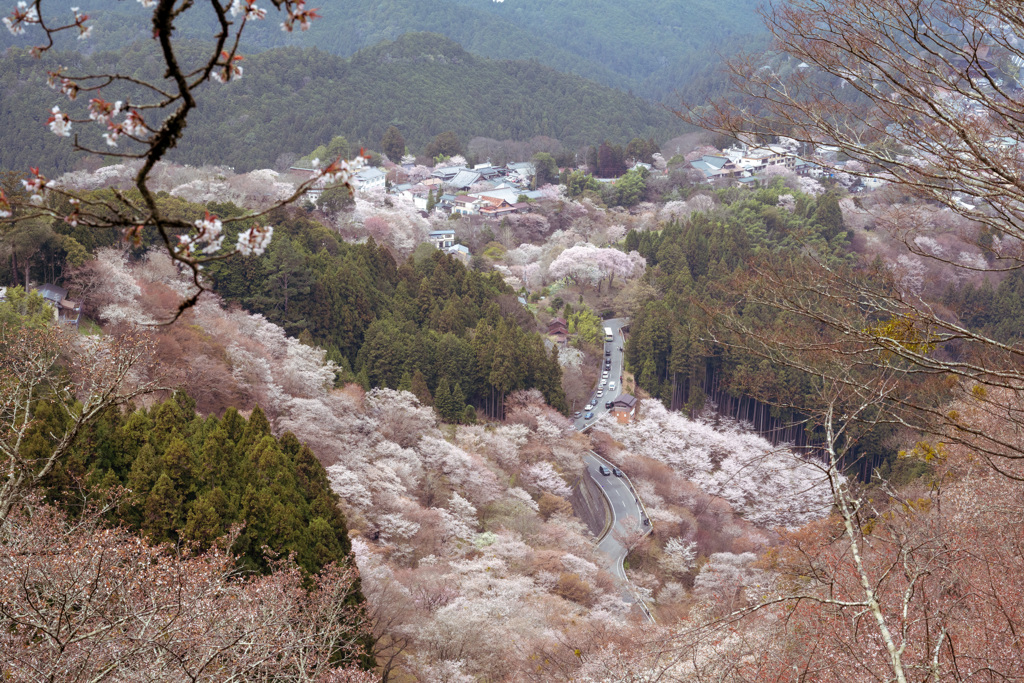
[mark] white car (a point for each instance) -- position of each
(590, 406)
(605, 374)
(603, 382)
(600, 393)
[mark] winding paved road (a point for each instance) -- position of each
(628, 515)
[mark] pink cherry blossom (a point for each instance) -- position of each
(19, 17)
(59, 122)
(228, 68)
(255, 240)
(133, 125)
(102, 111)
(299, 15)
(36, 185)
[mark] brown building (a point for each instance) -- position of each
(624, 408)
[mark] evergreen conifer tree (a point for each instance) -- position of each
(443, 400)
(420, 388)
(457, 405)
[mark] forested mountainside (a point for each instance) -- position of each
(456, 337)
(656, 50)
(295, 99)
(193, 478)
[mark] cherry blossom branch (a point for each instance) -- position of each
(191, 245)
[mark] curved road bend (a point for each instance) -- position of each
(626, 515)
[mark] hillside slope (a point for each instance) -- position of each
(654, 50)
(293, 99)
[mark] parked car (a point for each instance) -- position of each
(616, 471)
(588, 416)
(609, 404)
(604, 470)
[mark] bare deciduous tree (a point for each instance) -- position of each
(79, 376)
(926, 96)
(80, 602)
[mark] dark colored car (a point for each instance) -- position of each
(608, 352)
(616, 471)
(588, 416)
(604, 470)
(609, 404)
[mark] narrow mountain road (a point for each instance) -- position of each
(614, 375)
(627, 514)
(629, 519)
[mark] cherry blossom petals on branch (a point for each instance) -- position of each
(20, 17)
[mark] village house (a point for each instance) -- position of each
(442, 239)
(558, 326)
(445, 173)
(459, 251)
(523, 171)
(369, 178)
(494, 207)
(305, 173)
(466, 205)
(715, 166)
(558, 330)
(508, 193)
(65, 310)
(446, 202)
(624, 408)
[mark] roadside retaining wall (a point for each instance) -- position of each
(589, 505)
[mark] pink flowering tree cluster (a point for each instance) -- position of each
(588, 264)
(767, 486)
(147, 124)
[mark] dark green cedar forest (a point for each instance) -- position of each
(657, 49)
(291, 100)
(192, 478)
(696, 259)
(702, 262)
(414, 325)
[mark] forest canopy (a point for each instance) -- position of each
(291, 100)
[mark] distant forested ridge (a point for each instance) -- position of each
(292, 100)
(654, 49)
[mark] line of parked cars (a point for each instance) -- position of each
(605, 385)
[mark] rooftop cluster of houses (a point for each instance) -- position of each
(498, 189)
(366, 178)
(745, 162)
